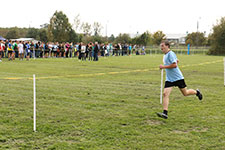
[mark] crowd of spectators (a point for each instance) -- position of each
(91, 51)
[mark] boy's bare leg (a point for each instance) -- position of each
(187, 92)
(166, 95)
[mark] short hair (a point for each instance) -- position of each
(167, 43)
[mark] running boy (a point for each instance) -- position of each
(174, 77)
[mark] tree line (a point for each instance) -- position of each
(59, 29)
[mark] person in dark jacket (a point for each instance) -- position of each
(96, 49)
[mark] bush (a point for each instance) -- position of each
(217, 39)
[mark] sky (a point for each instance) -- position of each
(119, 16)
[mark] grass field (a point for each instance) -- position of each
(110, 104)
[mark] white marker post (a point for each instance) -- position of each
(224, 69)
(34, 83)
(161, 90)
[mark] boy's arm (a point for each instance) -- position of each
(173, 59)
(173, 65)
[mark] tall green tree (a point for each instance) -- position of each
(33, 33)
(99, 39)
(158, 37)
(196, 39)
(87, 39)
(4, 31)
(73, 37)
(97, 27)
(111, 38)
(59, 28)
(43, 34)
(12, 34)
(123, 38)
(86, 29)
(217, 38)
(76, 23)
(144, 39)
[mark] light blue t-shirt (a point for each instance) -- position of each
(173, 74)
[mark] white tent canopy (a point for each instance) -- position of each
(25, 39)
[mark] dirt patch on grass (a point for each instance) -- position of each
(154, 122)
(195, 129)
(180, 132)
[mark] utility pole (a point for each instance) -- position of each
(106, 30)
(197, 40)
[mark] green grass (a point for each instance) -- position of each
(77, 108)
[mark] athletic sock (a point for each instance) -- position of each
(197, 92)
(165, 112)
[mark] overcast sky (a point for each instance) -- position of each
(120, 16)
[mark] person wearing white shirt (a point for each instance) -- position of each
(83, 49)
(21, 51)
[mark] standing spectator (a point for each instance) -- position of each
(54, 48)
(117, 49)
(123, 49)
(93, 47)
(96, 49)
(2, 47)
(37, 50)
(83, 49)
(111, 48)
(24, 46)
(79, 50)
(134, 49)
(90, 51)
(50, 47)
(42, 49)
(67, 46)
(6, 47)
(107, 50)
(137, 50)
(127, 48)
(28, 51)
(76, 51)
(10, 50)
(130, 49)
(120, 49)
(71, 50)
(102, 49)
(46, 50)
(114, 49)
(59, 50)
(15, 50)
(32, 50)
(87, 51)
(21, 50)
(143, 50)
(63, 50)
